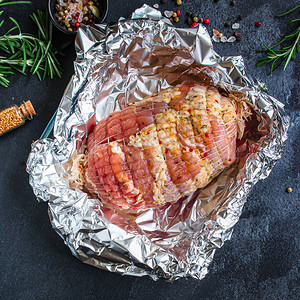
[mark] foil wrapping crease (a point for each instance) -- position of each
(122, 63)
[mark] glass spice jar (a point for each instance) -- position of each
(15, 116)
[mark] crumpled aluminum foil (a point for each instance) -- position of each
(120, 64)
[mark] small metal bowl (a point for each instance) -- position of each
(103, 4)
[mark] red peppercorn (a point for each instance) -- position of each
(193, 24)
(191, 150)
(206, 20)
(205, 155)
(206, 135)
(257, 24)
(189, 110)
(76, 17)
(77, 14)
(77, 24)
(171, 19)
(178, 12)
(159, 142)
(166, 150)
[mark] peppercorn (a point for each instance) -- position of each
(178, 2)
(257, 24)
(176, 19)
(171, 19)
(195, 19)
(174, 14)
(227, 24)
(201, 20)
(220, 34)
(77, 24)
(193, 24)
(194, 15)
(289, 189)
(189, 20)
(233, 2)
(178, 12)
(164, 1)
(206, 21)
(188, 13)
(235, 34)
(240, 17)
(70, 29)
(239, 38)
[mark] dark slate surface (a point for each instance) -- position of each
(260, 261)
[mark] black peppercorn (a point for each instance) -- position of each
(194, 15)
(227, 24)
(239, 38)
(190, 20)
(240, 17)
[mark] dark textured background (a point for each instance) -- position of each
(260, 261)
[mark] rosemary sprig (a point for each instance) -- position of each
(277, 57)
(22, 51)
(2, 2)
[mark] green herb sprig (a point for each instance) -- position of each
(22, 51)
(284, 55)
(3, 2)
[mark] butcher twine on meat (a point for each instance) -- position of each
(162, 148)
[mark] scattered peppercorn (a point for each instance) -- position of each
(239, 38)
(201, 20)
(235, 34)
(240, 17)
(178, 2)
(194, 15)
(195, 19)
(176, 19)
(257, 24)
(227, 24)
(188, 13)
(189, 21)
(289, 190)
(77, 24)
(178, 12)
(206, 21)
(193, 24)
(220, 34)
(171, 19)
(233, 2)
(174, 14)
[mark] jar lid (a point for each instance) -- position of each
(27, 110)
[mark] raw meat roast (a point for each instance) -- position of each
(163, 147)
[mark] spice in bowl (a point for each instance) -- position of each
(71, 14)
